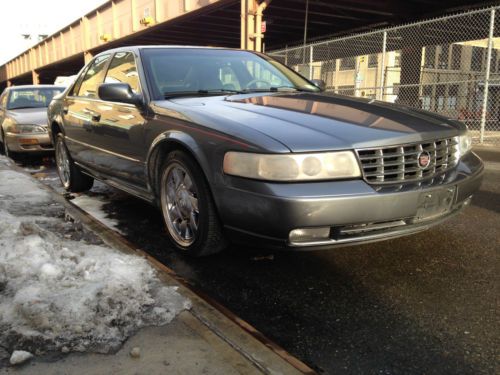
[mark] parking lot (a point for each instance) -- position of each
(426, 303)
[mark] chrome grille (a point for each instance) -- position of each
(395, 164)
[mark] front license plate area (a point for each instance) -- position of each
(433, 204)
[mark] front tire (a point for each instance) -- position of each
(71, 176)
(188, 209)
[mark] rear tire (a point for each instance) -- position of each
(71, 176)
(188, 209)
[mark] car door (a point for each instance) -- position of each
(80, 115)
(120, 131)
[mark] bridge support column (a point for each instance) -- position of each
(35, 77)
(251, 24)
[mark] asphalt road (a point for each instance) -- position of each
(424, 304)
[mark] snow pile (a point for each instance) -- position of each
(19, 356)
(59, 294)
(20, 195)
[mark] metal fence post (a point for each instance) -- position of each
(311, 50)
(382, 67)
(487, 77)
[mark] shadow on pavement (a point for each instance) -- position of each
(420, 304)
(365, 309)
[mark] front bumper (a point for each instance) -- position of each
(355, 211)
(26, 143)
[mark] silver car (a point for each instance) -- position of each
(23, 118)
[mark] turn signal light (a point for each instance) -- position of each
(28, 141)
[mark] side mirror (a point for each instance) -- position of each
(319, 83)
(118, 92)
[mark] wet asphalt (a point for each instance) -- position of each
(424, 304)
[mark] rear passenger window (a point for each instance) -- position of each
(123, 70)
(93, 77)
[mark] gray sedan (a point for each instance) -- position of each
(23, 118)
(232, 145)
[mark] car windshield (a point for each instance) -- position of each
(178, 72)
(32, 97)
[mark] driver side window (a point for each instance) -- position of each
(123, 69)
(93, 78)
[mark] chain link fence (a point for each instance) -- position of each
(448, 65)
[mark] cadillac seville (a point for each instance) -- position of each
(234, 146)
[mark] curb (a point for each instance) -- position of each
(267, 356)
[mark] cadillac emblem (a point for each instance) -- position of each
(424, 159)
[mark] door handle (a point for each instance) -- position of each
(94, 116)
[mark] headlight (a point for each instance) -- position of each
(464, 143)
(292, 167)
(25, 129)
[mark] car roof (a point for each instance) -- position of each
(140, 47)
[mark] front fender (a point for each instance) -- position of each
(54, 117)
(3, 126)
(169, 140)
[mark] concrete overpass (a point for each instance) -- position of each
(229, 23)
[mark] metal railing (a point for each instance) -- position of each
(448, 65)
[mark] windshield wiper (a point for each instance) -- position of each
(175, 94)
(23, 107)
(278, 89)
(285, 88)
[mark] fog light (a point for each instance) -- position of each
(303, 235)
(28, 141)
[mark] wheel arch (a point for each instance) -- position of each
(167, 142)
(54, 129)
(2, 129)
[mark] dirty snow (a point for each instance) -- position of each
(60, 294)
(19, 356)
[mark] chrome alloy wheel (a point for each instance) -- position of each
(63, 163)
(179, 200)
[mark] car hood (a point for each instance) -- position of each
(320, 122)
(35, 116)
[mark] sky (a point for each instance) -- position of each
(35, 17)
